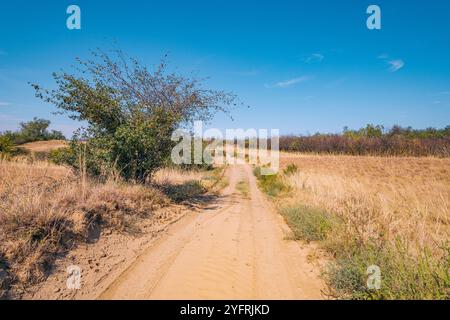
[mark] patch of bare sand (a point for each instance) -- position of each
(235, 249)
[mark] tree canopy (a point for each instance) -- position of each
(130, 111)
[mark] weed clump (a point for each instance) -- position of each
(308, 223)
(272, 185)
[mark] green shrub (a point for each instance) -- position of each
(205, 165)
(270, 184)
(404, 276)
(6, 146)
(131, 113)
(63, 156)
(290, 169)
(308, 223)
(34, 130)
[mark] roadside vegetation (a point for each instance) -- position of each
(370, 211)
(113, 173)
(131, 113)
(15, 143)
(189, 186)
(272, 185)
(31, 131)
(47, 210)
(374, 140)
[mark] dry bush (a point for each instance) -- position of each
(45, 209)
(176, 176)
(188, 185)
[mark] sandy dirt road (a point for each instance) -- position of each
(234, 249)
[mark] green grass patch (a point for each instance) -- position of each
(290, 169)
(308, 223)
(272, 185)
(407, 272)
(404, 275)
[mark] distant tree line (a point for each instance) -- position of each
(374, 140)
(35, 130)
(31, 131)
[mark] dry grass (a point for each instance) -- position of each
(46, 209)
(189, 185)
(176, 176)
(389, 211)
(399, 197)
(44, 146)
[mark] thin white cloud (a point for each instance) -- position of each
(315, 57)
(289, 83)
(4, 104)
(396, 65)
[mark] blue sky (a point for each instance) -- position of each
(302, 66)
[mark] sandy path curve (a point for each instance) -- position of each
(235, 249)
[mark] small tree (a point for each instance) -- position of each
(35, 130)
(130, 111)
(6, 145)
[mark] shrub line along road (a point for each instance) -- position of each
(233, 249)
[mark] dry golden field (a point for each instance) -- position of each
(407, 197)
(44, 146)
(397, 204)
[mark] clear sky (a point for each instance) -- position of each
(302, 66)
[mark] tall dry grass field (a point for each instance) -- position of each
(406, 197)
(393, 211)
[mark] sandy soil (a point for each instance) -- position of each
(44, 146)
(234, 249)
(105, 259)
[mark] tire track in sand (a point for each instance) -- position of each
(234, 251)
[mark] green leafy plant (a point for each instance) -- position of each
(290, 169)
(34, 130)
(308, 223)
(6, 146)
(272, 185)
(130, 112)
